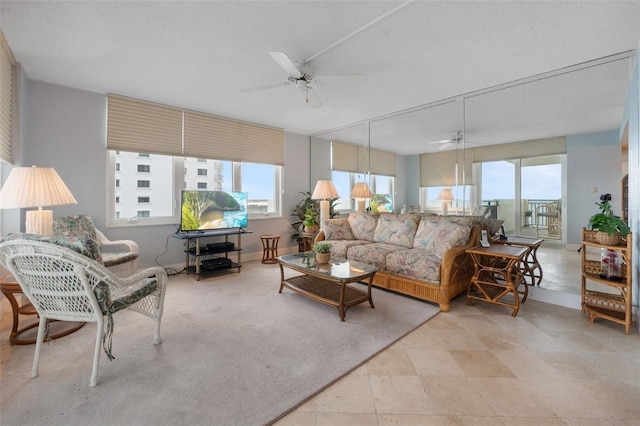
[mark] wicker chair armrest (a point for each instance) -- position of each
(104, 241)
(155, 271)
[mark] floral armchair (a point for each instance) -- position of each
(81, 226)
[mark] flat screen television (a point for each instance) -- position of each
(207, 210)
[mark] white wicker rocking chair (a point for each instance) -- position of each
(65, 285)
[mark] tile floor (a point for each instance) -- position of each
(477, 365)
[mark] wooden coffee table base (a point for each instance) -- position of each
(330, 293)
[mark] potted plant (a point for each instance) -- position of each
(299, 213)
(323, 252)
(609, 226)
(310, 222)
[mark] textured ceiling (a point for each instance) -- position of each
(200, 55)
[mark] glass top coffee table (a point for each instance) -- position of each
(327, 283)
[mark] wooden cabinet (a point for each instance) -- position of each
(602, 297)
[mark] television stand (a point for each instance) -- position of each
(206, 259)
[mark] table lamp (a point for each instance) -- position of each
(445, 196)
(35, 187)
(361, 193)
(324, 191)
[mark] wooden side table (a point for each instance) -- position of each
(530, 265)
(497, 275)
(269, 248)
(308, 239)
(57, 329)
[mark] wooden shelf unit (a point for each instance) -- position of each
(615, 305)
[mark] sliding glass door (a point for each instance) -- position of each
(526, 194)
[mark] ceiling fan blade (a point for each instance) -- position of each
(312, 98)
(265, 87)
(286, 63)
(445, 145)
(440, 141)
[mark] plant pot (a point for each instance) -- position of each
(323, 258)
(608, 240)
(311, 229)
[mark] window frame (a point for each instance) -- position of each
(178, 177)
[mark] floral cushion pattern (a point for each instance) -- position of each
(337, 229)
(373, 254)
(74, 226)
(363, 226)
(397, 229)
(339, 247)
(447, 235)
(84, 246)
(415, 263)
(424, 233)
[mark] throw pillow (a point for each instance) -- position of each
(337, 229)
(396, 229)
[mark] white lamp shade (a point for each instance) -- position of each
(324, 190)
(361, 190)
(34, 187)
(445, 195)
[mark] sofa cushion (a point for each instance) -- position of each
(363, 225)
(447, 234)
(396, 229)
(337, 229)
(424, 233)
(373, 254)
(414, 263)
(339, 247)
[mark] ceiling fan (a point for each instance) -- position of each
(454, 141)
(300, 76)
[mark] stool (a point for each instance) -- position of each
(269, 248)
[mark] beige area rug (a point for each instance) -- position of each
(234, 352)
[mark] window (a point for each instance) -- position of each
(261, 182)
(429, 199)
(144, 168)
(117, 167)
(380, 186)
(143, 213)
(202, 172)
(143, 155)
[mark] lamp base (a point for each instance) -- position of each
(324, 212)
(361, 206)
(445, 208)
(39, 222)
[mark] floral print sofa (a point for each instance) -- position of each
(420, 256)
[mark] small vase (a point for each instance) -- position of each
(608, 240)
(323, 258)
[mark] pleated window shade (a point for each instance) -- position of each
(439, 168)
(7, 65)
(353, 158)
(139, 126)
(344, 157)
(522, 149)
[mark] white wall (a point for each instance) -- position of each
(593, 161)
